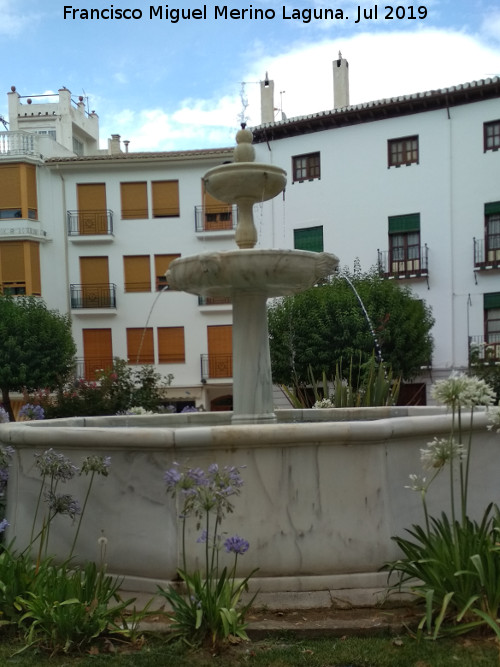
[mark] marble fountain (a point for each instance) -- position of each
(324, 489)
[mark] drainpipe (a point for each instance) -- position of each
(66, 258)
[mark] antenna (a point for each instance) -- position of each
(86, 100)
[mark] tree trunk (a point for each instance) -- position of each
(7, 404)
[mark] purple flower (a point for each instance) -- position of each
(4, 415)
(31, 412)
(172, 477)
(3, 525)
(236, 545)
(98, 464)
(203, 537)
(55, 465)
(63, 503)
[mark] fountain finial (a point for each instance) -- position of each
(244, 151)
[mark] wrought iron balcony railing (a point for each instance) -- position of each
(89, 368)
(215, 218)
(87, 223)
(391, 266)
(487, 252)
(484, 349)
(216, 366)
(18, 143)
(214, 300)
(93, 296)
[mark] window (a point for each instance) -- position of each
(492, 136)
(171, 345)
(306, 167)
(18, 197)
(404, 243)
(134, 198)
(140, 346)
(47, 133)
(92, 212)
(165, 199)
(97, 351)
(77, 146)
(310, 238)
(20, 268)
(162, 262)
(492, 317)
(492, 231)
(137, 273)
(403, 151)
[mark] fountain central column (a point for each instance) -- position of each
(252, 380)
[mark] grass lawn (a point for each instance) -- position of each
(282, 652)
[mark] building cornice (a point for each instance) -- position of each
(432, 100)
(142, 158)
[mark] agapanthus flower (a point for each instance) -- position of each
(57, 466)
(63, 503)
(136, 410)
(460, 390)
(4, 524)
(236, 545)
(441, 451)
(203, 537)
(4, 416)
(30, 412)
(324, 403)
(494, 420)
(417, 483)
(97, 464)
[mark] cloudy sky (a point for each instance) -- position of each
(170, 85)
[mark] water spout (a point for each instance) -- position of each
(378, 351)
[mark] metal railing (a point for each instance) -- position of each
(484, 349)
(215, 218)
(93, 296)
(89, 368)
(406, 267)
(216, 366)
(82, 223)
(17, 143)
(214, 300)
(487, 251)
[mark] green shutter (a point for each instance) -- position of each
(492, 300)
(492, 208)
(310, 238)
(400, 224)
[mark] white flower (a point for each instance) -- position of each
(441, 451)
(462, 390)
(494, 419)
(323, 403)
(417, 483)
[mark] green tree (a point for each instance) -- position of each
(326, 326)
(36, 347)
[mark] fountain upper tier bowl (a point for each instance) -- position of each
(250, 181)
(266, 272)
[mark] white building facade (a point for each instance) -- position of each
(409, 185)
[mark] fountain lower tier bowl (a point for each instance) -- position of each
(267, 272)
(251, 181)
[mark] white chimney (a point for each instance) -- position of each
(267, 101)
(340, 83)
(114, 144)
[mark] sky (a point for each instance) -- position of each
(166, 85)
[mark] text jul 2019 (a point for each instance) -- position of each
(223, 12)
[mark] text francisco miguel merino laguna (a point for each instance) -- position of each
(223, 12)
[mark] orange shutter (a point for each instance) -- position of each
(165, 199)
(92, 215)
(162, 262)
(10, 189)
(137, 273)
(140, 346)
(171, 345)
(97, 351)
(220, 351)
(134, 201)
(217, 214)
(32, 255)
(95, 282)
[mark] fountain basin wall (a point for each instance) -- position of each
(320, 502)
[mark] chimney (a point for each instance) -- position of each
(114, 145)
(340, 82)
(267, 101)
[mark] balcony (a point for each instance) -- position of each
(18, 144)
(484, 350)
(216, 366)
(215, 302)
(90, 226)
(487, 253)
(88, 369)
(215, 219)
(93, 297)
(404, 268)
